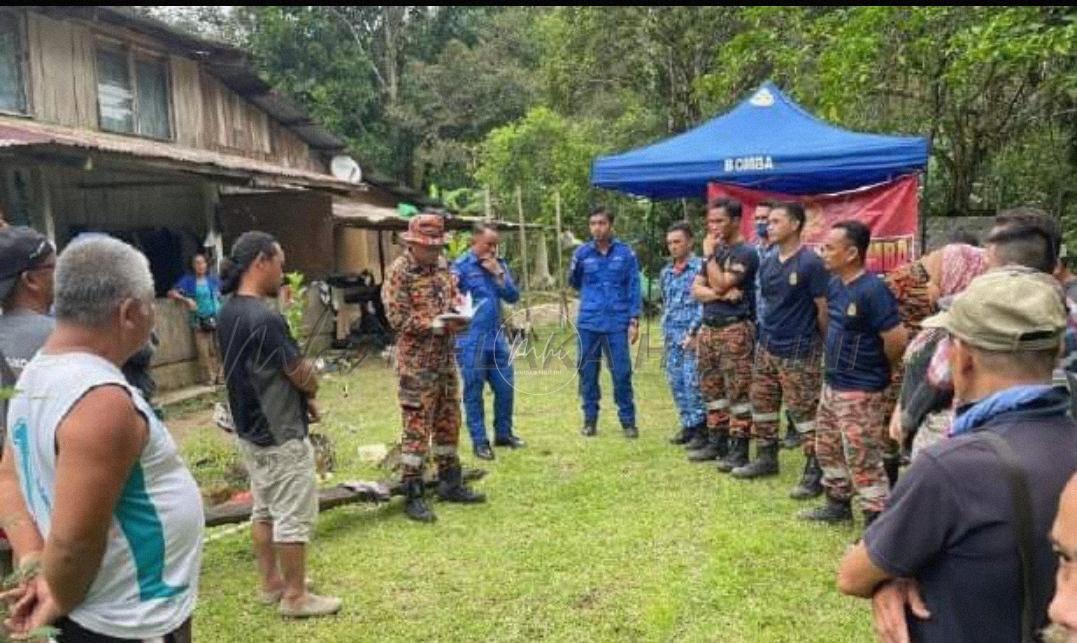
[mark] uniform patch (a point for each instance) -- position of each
(851, 311)
(792, 279)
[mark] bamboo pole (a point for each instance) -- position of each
(560, 261)
(523, 254)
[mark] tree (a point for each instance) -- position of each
(452, 101)
(971, 79)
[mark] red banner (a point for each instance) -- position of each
(891, 210)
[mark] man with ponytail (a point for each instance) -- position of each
(271, 390)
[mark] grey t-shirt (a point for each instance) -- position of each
(22, 334)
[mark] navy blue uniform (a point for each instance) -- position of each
(789, 327)
(482, 351)
(859, 312)
(609, 299)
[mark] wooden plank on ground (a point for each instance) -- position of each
(235, 512)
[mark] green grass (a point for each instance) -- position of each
(581, 539)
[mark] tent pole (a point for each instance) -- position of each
(923, 216)
(646, 339)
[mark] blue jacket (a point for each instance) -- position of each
(486, 295)
(608, 286)
(187, 286)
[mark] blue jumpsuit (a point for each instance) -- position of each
(609, 299)
(682, 314)
(483, 352)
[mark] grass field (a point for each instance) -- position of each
(581, 539)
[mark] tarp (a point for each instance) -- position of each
(890, 210)
(767, 142)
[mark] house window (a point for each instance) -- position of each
(12, 88)
(115, 100)
(151, 79)
(132, 94)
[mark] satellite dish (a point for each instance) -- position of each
(345, 168)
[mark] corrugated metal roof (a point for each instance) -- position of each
(31, 135)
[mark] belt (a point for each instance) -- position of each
(722, 322)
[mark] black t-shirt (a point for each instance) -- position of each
(256, 347)
(950, 525)
(742, 259)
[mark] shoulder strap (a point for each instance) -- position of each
(1022, 507)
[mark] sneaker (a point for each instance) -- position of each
(310, 605)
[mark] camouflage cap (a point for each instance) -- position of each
(426, 230)
(1007, 310)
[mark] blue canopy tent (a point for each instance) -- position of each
(767, 142)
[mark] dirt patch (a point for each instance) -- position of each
(200, 421)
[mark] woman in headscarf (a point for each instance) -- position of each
(925, 409)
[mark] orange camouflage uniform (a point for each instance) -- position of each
(429, 391)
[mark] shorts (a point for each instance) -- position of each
(284, 488)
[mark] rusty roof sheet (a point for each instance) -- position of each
(41, 137)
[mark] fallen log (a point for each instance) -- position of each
(229, 513)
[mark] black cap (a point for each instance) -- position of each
(21, 249)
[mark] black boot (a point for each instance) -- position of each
(792, 436)
(631, 431)
(811, 481)
(711, 449)
(832, 513)
(766, 463)
(590, 430)
(451, 487)
(869, 517)
(737, 456)
(892, 464)
(699, 439)
(414, 505)
(684, 436)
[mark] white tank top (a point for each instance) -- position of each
(148, 579)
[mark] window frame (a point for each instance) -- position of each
(132, 55)
(24, 63)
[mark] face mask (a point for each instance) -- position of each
(761, 230)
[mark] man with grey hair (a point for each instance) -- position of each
(93, 493)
